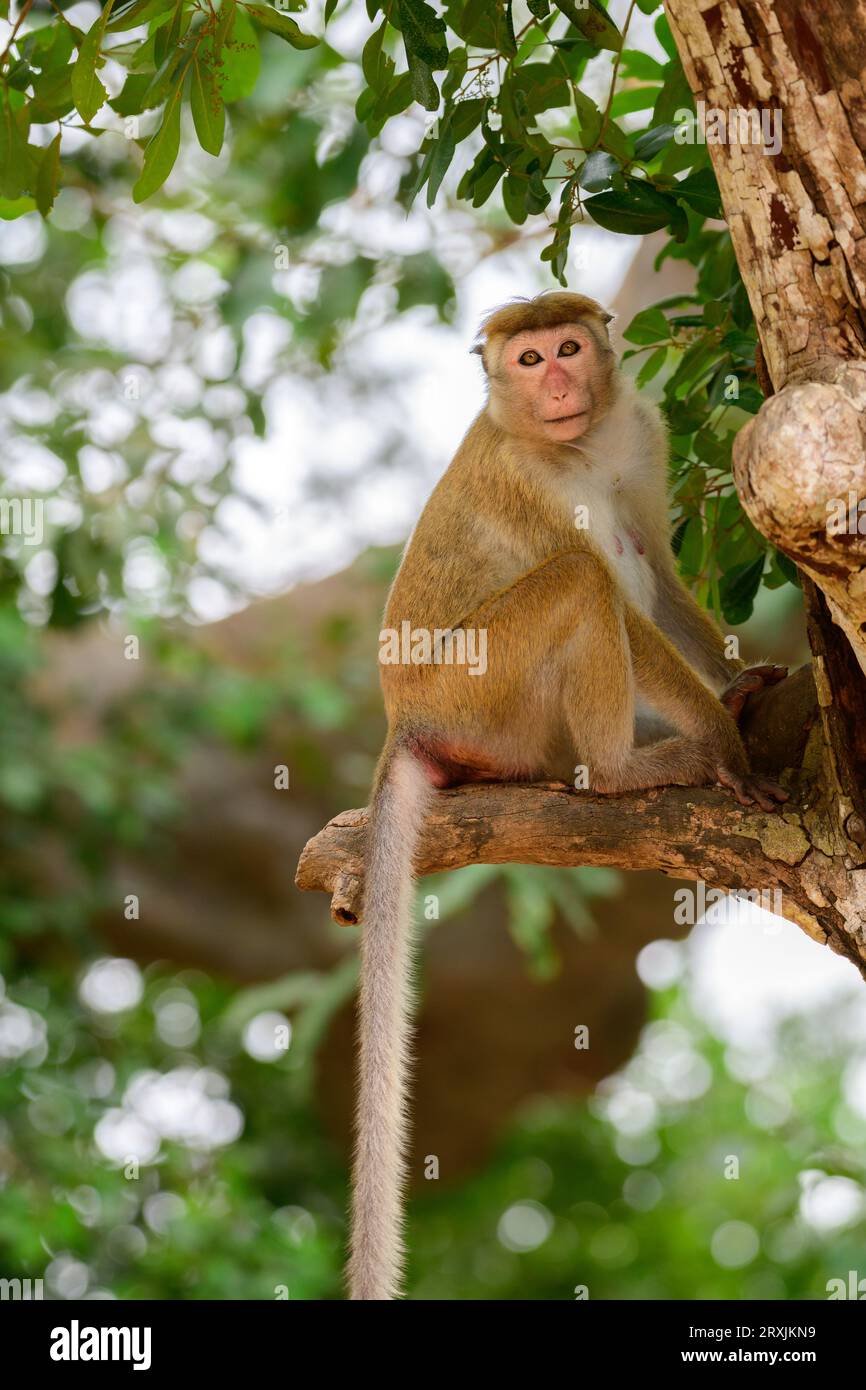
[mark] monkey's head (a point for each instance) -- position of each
(550, 368)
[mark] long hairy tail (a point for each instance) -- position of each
(401, 796)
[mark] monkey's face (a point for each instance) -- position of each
(551, 382)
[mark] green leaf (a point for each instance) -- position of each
(649, 326)
(593, 22)
(741, 345)
(424, 88)
(638, 209)
(715, 312)
(647, 146)
(20, 75)
(557, 252)
(697, 362)
(412, 190)
(48, 177)
(788, 568)
(367, 98)
(648, 6)
(330, 6)
(49, 49)
(161, 152)
(241, 57)
(443, 153)
(465, 117)
(131, 100)
(282, 25)
(87, 90)
(633, 99)
(665, 37)
(423, 33)
(481, 178)
(160, 85)
(738, 588)
(208, 111)
(16, 161)
(750, 399)
(486, 182)
(616, 142)
(701, 192)
(641, 66)
(458, 62)
(169, 28)
(652, 366)
(137, 12)
(53, 97)
(228, 13)
(391, 100)
(541, 86)
(481, 24)
(675, 95)
(691, 547)
(10, 208)
(141, 59)
(514, 192)
(684, 417)
(575, 53)
(597, 171)
(538, 195)
(588, 117)
(375, 65)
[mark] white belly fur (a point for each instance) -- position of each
(602, 519)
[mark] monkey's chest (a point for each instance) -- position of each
(607, 521)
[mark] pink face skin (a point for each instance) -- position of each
(550, 375)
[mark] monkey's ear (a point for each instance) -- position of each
(606, 318)
(478, 350)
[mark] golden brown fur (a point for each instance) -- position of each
(583, 625)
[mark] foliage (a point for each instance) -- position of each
(249, 166)
(651, 1208)
(576, 1194)
(516, 128)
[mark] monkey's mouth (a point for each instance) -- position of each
(563, 419)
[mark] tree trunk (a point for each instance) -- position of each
(798, 223)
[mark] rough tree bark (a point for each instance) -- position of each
(798, 223)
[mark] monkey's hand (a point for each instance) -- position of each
(749, 788)
(735, 696)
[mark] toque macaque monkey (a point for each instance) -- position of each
(548, 536)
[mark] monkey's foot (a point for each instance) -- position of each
(735, 696)
(749, 788)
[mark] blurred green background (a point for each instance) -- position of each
(217, 400)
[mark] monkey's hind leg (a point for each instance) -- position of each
(666, 679)
(599, 697)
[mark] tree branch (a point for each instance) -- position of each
(687, 832)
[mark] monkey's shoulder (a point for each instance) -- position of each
(467, 544)
(451, 564)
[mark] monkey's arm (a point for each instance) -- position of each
(675, 612)
(692, 630)
(696, 636)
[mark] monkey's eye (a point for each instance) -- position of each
(569, 348)
(530, 358)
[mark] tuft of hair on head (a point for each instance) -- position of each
(547, 310)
